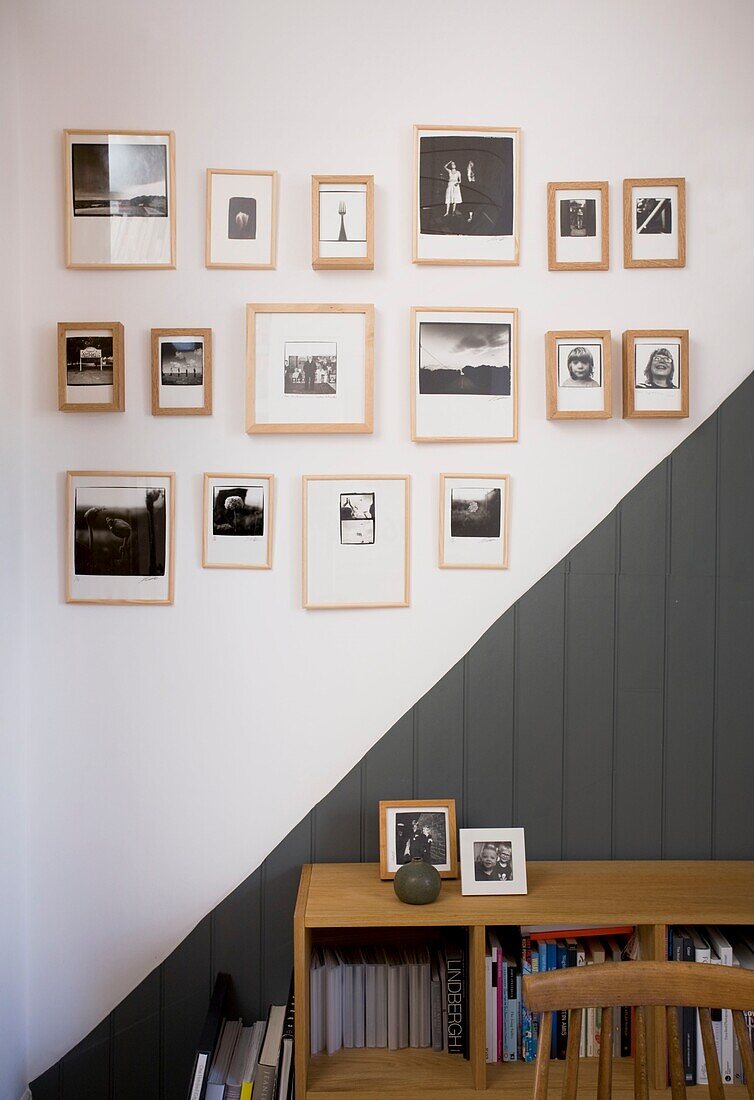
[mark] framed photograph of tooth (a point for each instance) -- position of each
(237, 512)
(119, 198)
(656, 373)
(474, 521)
(90, 366)
(342, 222)
(309, 368)
(466, 194)
(120, 537)
(241, 230)
(654, 222)
(181, 371)
(578, 229)
(355, 541)
(464, 375)
(578, 375)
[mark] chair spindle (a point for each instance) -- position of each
(714, 1080)
(641, 1072)
(571, 1078)
(675, 1054)
(605, 1072)
(744, 1045)
(542, 1072)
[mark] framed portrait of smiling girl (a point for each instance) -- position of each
(578, 375)
(656, 373)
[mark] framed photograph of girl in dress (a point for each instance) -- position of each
(655, 373)
(90, 366)
(578, 230)
(654, 222)
(237, 531)
(418, 829)
(466, 194)
(181, 372)
(474, 521)
(241, 220)
(579, 383)
(342, 223)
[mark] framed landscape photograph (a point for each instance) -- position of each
(241, 229)
(309, 368)
(181, 372)
(579, 385)
(418, 829)
(466, 194)
(464, 375)
(493, 861)
(654, 222)
(656, 373)
(355, 540)
(474, 521)
(120, 541)
(237, 529)
(91, 366)
(342, 222)
(578, 227)
(119, 198)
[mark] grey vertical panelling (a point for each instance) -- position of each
(236, 945)
(282, 870)
(187, 985)
(388, 773)
(693, 508)
(47, 1085)
(736, 482)
(337, 822)
(597, 553)
(136, 1042)
(643, 524)
(439, 741)
(489, 727)
(86, 1069)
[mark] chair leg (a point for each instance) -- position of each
(542, 1073)
(605, 1070)
(641, 1070)
(675, 1054)
(571, 1079)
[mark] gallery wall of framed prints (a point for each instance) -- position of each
(181, 372)
(91, 366)
(342, 223)
(241, 218)
(579, 378)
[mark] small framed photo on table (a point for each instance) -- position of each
(579, 383)
(493, 861)
(241, 229)
(474, 521)
(418, 828)
(578, 227)
(654, 222)
(237, 531)
(90, 366)
(656, 373)
(181, 372)
(342, 223)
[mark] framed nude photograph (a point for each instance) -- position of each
(474, 521)
(237, 526)
(578, 227)
(309, 368)
(578, 371)
(355, 540)
(656, 373)
(464, 375)
(181, 372)
(119, 198)
(466, 194)
(342, 223)
(493, 861)
(418, 828)
(91, 366)
(121, 533)
(241, 220)
(654, 222)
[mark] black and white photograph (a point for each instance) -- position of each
(241, 218)
(421, 835)
(474, 521)
(418, 829)
(577, 367)
(343, 216)
(654, 222)
(470, 358)
(475, 512)
(578, 217)
(237, 521)
(89, 360)
(181, 372)
(342, 222)
(656, 368)
(655, 373)
(311, 368)
(182, 362)
(357, 519)
(654, 215)
(90, 367)
(493, 861)
(237, 511)
(119, 180)
(578, 226)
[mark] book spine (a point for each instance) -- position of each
(688, 1020)
(455, 985)
(562, 1016)
(436, 1014)
(528, 1043)
(500, 1001)
(510, 1023)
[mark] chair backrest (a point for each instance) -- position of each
(641, 985)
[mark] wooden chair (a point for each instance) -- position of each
(642, 984)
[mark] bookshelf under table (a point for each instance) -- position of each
(342, 902)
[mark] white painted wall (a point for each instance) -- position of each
(171, 748)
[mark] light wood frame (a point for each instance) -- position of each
(679, 182)
(270, 479)
(414, 367)
(365, 426)
(553, 263)
(170, 556)
(447, 804)
(515, 131)
(306, 478)
(169, 134)
(629, 339)
(118, 403)
(503, 563)
(208, 261)
(343, 263)
(551, 370)
(182, 334)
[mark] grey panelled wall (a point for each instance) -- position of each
(610, 712)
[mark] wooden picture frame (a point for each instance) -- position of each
(296, 399)
(237, 252)
(578, 403)
(83, 245)
(594, 223)
(361, 259)
(480, 546)
(224, 557)
(98, 536)
(667, 229)
(640, 345)
(394, 594)
(422, 430)
(416, 807)
(161, 390)
(76, 330)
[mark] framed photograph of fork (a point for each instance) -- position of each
(342, 223)
(654, 222)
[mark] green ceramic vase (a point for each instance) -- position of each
(417, 882)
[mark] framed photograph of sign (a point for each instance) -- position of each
(90, 366)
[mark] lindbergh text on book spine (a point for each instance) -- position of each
(455, 1008)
